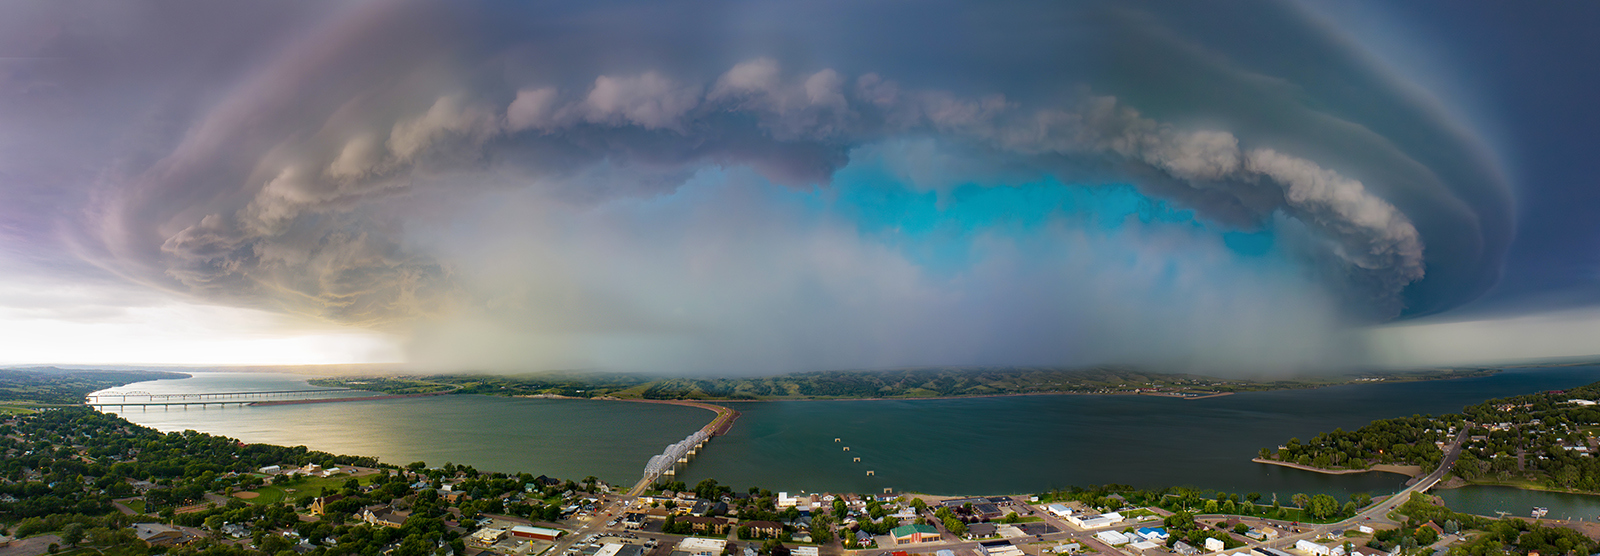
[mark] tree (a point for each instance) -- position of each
(1253, 497)
(1300, 499)
(1323, 506)
(955, 526)
(72, 534)
(1241, 528)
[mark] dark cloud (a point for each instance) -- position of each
(294, 186)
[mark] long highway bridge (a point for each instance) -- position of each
(202, 399)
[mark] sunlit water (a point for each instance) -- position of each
(973, 445)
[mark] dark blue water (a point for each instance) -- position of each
(962, 446)
(1032, 443)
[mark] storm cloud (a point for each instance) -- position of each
(681, 188)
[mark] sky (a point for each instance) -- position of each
(765, 187)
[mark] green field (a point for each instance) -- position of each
(305, 488)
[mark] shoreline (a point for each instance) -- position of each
(1407, 470)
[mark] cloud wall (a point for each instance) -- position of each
(766, 187)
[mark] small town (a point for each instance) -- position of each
(84, 483)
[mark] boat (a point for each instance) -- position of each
(1539, 512)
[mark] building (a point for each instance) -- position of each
(1000, 549)
(1215, 545)
(1112, 538)
(1060, 510)
(1184, 548)
(1153, 533)
(536, 533)
(1143, 545)
(702, 547)
(709, 525)
(764, 529)
(805, 551)
(1312, 548)
(158, 534)
(914, 533)
(486, 537)
(319, 506)
(384, 516)
(619, 549)
(270, 470)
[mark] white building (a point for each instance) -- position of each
(704, 547)
(805, 551)
(1144, 545)
(1059, 509)
(1214, 545)
(1115, 538)
(1312, 548)
(1364, 529)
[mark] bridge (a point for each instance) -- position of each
(136, 398)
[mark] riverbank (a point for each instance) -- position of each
(1407, 470)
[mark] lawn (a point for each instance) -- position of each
(1141, 512)
(136, 505)
(304, 488)
(14, 410)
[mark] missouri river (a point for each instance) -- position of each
(972, 445)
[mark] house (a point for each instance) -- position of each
(1153, 533)
(1184, 548)
(319, 506)
(1215, 545)
(914, 533)
(1312, 548)
(538, 533)
(384, 516)
(158, 534)
(1369, 551)
(805, 551)
(236, 530)
(1143, 545)
(702, 547)
(711, 525)
(1069, 548)
(764, 529)
(1112, 538)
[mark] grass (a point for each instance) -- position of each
(136, 505)
(1141, 512)
(305, 488)
(14, 410)
(80, 551)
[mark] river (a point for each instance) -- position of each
(952, 446)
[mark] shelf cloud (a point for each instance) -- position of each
(722, 187)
